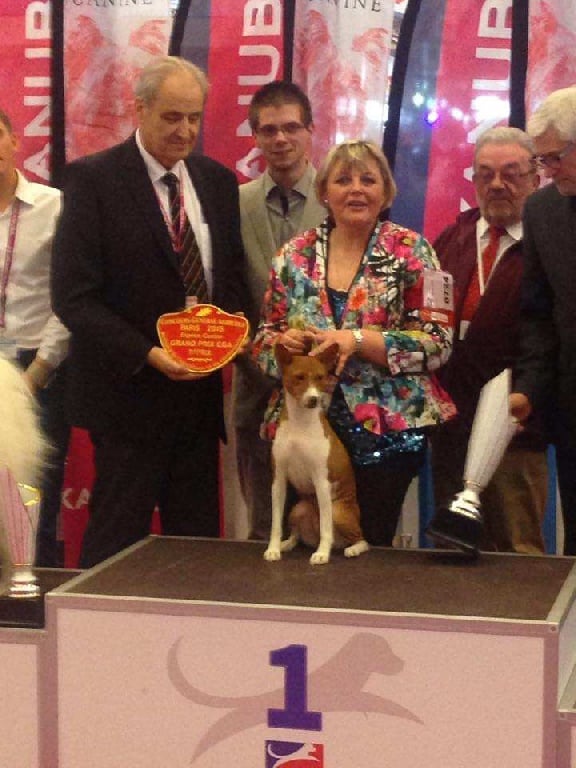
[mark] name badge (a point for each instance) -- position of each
(438, 297)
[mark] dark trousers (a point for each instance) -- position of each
(254, 464)
(381, 490)
(565, 443)
(176, 470)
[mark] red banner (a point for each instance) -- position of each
(341, 55)
(105, 47)
(246, 51)
(551, 60)
(25, 81)
(472, 95)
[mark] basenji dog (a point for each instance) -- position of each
(307, 454)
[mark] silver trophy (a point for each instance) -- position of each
(23, 455)
(19, 513)
(461, 524)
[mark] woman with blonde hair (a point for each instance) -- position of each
(373, 288)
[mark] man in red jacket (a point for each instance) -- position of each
(487, 315)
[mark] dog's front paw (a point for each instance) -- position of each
(356, 549)
(272, 554)
(320, 558)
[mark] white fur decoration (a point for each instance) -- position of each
(23, 448)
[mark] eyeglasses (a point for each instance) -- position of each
(553, 159)
(271, 131)
(510, 176)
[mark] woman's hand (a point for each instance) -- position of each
(296, 341)
(345, 340)
(370, 348)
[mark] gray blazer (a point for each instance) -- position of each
(251, 388)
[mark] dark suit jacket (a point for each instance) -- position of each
(114, 272)
(546, 371)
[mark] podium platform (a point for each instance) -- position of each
(22, 673)
(188, 652)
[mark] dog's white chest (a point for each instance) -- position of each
(302, 454)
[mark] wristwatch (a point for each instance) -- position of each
(358, 340)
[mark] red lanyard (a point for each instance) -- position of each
(176, 238)
(8, 259)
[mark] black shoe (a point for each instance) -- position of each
(452, 527)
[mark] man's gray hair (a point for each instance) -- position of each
(504, 135)
(557, 111)
(154, 74)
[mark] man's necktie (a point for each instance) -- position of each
(190, 261)
(487, 263)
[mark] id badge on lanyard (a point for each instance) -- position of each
(438, 297)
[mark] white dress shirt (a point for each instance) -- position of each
(191, 204)
(29, 322)
(513, 235)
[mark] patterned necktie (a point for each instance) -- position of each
(190, 261)
(488, 258)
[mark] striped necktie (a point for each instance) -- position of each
(190, 260)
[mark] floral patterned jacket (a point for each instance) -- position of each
(386, 295)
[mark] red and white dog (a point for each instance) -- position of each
(307, 453)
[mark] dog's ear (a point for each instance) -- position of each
(329, 356)
(282, 355)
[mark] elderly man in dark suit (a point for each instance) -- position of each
(123, 245)
(546, 371)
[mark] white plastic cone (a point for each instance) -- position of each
(492, 430)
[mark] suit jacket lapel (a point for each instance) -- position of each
(140, 187)
(209, 206)
(206, 194)
(313, 212)
(255, 203)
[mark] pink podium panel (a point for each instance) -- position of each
(19, 701)
(26, 673)
(198, 653)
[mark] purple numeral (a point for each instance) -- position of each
(294, 659)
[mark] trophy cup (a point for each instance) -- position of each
(19, 513)
(461, 525)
